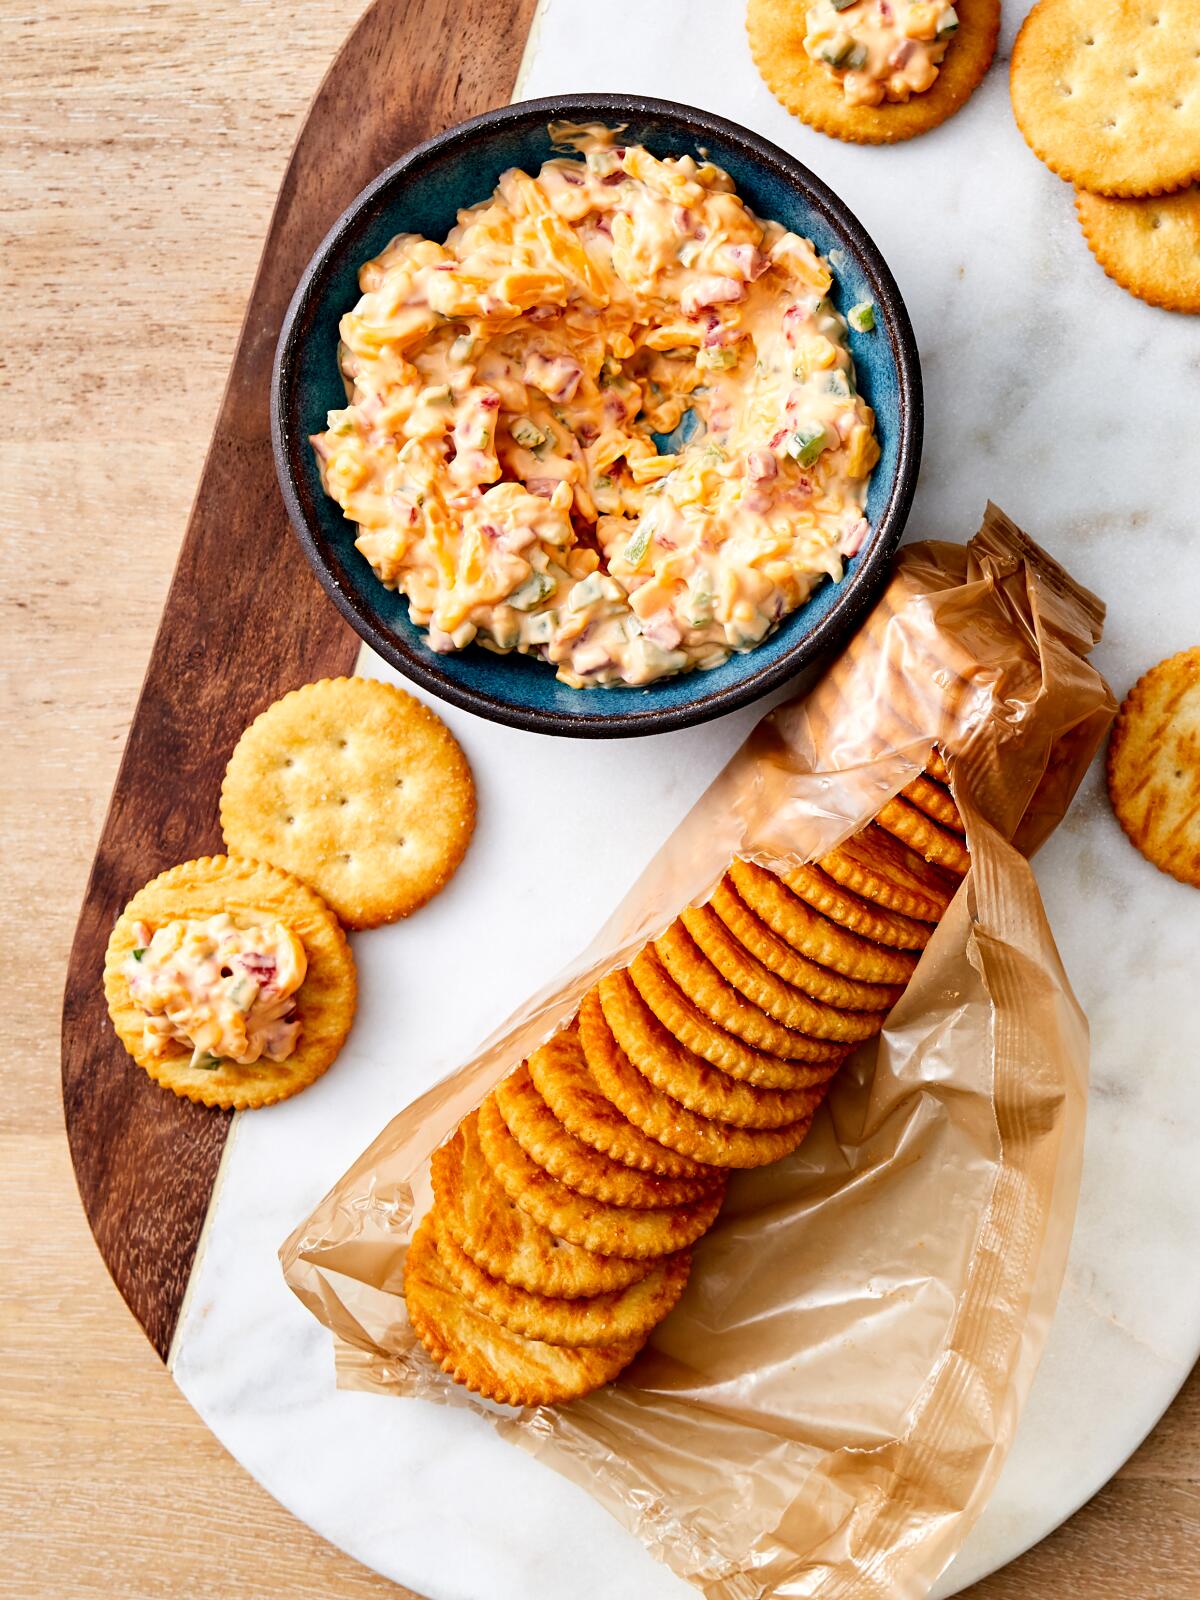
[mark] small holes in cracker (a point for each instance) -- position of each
(300, 792)
(1107, 135)
(1150, 246)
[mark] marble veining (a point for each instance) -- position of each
(1048, 390)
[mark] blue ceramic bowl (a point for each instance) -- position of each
(422, 193)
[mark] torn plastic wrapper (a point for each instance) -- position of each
(828, 1407)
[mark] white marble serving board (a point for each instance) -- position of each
(1073, 406)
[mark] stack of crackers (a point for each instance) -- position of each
(1107, 94)
(566, 1205)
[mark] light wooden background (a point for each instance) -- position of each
(141, 148)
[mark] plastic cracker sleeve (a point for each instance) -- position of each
(828, 1407)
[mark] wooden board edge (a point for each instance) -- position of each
(244, 622)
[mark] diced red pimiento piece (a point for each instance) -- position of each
(711, 291)
(851, 541)
(262, 969)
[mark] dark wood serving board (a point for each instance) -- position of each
(244, 622)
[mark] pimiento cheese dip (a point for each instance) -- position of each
(227, 992)
(498, 451)
(880, 49)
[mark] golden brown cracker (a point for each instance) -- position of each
(719, 1144)
(687, 983)
(1107, 92)
(507, 1242)
(936, 767)
(487, 1358)
(791, 1007)
(935, 802)
(1151, 246)
(776, 31)
(1153, 766)
(686, 1077)
(248, 891)
(924, 836)
(880, 867)
(604, 1319)
(629, 1232)
(822, 983)
(576, 1164)
(814, 935)
(839, 904)
(562, 1077)
(358, 789)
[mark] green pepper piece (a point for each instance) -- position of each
(528, 594)
(861, 317)
(526, 432)
(635, 550)
(140, 952)
(807, 443)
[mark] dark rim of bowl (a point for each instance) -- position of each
(855, 592)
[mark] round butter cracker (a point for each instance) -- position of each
(248, 891)
(685, 1077)
(936, 801)
(629, 1232)
(787, 963)
(766, 990)
(815, 936)
(561, 1075)
(503, 1239)
(776, 29)
(488, 1358)
(917, 829)
(1153, 766)
(879, 867)
(601, 1320)
(719, 1144)
(576, 1163)
(1107, 92)
(358, 789)
(692, 998)
(839, 904)
(1151, 246)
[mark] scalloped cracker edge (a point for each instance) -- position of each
(1150, 246)
(1153, 766)
(776, 33)
(1108, 96)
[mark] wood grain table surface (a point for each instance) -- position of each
(142, 145)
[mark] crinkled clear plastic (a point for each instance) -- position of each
(829, 1406)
